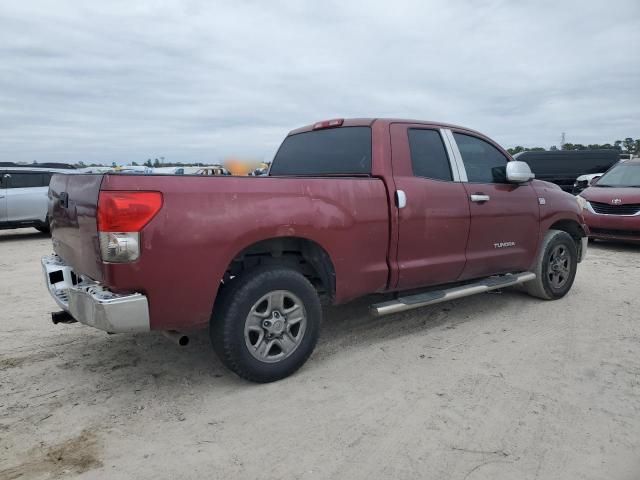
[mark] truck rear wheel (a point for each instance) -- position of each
(555, 266)
(266, 323)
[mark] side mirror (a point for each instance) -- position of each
(519, 172)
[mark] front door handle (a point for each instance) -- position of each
(480, 197)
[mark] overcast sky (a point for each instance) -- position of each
(202, 80)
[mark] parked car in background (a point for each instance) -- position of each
(54, 165)
(212, 170)
(23, 196)
(95, 169)
(349, 208)
(259, 172)
(563, 167)
(612, 203)
(584, 181)
(168, 170)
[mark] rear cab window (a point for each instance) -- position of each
(334, 151)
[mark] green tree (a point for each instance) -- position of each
(629, 145)
(515, 150)
(573, 146)
(520, 148)
(156, 163)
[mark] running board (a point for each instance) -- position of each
(436, 296)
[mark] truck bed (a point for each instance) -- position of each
(207, 221)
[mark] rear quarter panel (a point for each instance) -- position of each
(206, 221)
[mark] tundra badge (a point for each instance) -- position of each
(504, 244)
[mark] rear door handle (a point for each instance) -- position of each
(480, 197)
(401, 199)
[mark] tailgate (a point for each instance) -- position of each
(73, 201)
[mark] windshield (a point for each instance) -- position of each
(622, 175)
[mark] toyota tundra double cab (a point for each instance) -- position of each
(348, 208)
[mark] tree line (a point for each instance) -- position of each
(628, 146)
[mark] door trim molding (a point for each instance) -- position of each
(457, 166)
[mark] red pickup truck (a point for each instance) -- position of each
(349, 208)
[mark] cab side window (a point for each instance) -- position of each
(483, 162)
(428, 156)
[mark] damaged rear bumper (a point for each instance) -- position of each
(90, 303)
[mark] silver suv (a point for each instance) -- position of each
(23, 196)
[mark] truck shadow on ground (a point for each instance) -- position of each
(119, 360)
(9, 237)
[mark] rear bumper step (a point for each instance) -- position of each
(90, 303)
(436, 296)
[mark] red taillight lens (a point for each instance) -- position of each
(120, 211)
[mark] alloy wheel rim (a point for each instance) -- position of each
(559, 266)
(275, 326)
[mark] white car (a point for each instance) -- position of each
(584, 181)
(174, 170)
(23, 196)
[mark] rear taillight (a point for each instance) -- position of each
(121, 216)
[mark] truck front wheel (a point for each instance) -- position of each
(555, 266)
(266, 323)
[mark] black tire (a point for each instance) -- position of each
(552, 282)
(231, 312)
(45, 227)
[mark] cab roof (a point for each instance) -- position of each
(368, 122)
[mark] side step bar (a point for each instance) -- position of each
(429, 298)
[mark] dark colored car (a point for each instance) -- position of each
(349, 208)
(612, 203)
(563, 167)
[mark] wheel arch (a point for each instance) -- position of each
(573, 228)
(300, 253)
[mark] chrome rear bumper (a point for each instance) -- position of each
(90, 303)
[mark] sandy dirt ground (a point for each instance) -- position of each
(496, 386)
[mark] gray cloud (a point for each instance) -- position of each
(198, 80)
